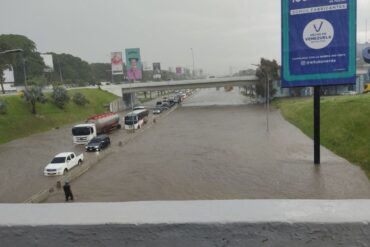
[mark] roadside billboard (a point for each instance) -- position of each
(318, 42)
(117, 63)
(134, 66)
(48, 61)
(178, 70)
(157, 74)
(8, 75)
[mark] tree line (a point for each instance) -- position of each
(68, 69)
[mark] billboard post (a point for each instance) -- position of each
(318, 48)
(316, 127)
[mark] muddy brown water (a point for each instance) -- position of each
(216, 147)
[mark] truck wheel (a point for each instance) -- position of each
(79, 162)
(65, 171)
(118, 126)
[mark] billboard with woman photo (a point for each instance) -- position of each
(134, 66)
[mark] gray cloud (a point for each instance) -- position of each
(223, 34)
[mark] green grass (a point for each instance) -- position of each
(345, 124)
(19, 122)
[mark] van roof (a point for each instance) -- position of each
(135, 112)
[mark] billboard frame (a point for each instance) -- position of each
(318, 79)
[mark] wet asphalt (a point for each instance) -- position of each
(215, 146)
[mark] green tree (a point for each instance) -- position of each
(33, 94)
(101, 72)
(267, 70)
(60, 96)
(73, 70)
(33, 62)
(80, 99)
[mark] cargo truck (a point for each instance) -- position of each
(95, 125)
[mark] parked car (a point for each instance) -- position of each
(159, 103)
(165, 104)
(164, 108)
(62, 163)
(98, 143)
(171, 103)
(157, 110)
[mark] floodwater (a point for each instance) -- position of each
(216, 147)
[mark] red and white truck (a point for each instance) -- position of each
(95, 125)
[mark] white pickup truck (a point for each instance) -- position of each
(62, 163)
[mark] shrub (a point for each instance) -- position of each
(60, 96)
(33, 94)
(80, 99)
(3, 107)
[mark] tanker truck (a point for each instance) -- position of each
(95, 125)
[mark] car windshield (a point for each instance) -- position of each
(57, 160)
(81, 131)
(130, 120)
(95, 141)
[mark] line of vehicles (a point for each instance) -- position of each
(94, 133)
(170, 101)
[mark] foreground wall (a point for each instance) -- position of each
(188, 223)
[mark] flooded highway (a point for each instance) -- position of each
(215, 146)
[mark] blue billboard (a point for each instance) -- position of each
(318, 42)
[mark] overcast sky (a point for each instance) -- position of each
(223, 33)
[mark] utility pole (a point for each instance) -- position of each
(192, 54)
(267, 95)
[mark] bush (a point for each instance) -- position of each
(33, 94)
(60, 96)
(3, 107)
(80, 99)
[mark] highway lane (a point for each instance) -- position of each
(216, 147)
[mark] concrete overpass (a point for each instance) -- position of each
(269, 223)
(188, 84)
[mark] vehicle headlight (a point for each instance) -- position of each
(96, 147)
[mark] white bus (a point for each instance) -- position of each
(136, 119)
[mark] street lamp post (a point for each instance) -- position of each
(24, 70)
(11, 51)
(192, 54)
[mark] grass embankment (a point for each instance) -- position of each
(19, 122)
(345, 124)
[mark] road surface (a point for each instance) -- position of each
(216, 147)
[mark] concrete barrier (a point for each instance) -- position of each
(188, 223)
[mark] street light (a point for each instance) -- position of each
(192, 54)
(11, 51)
(267, 93)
